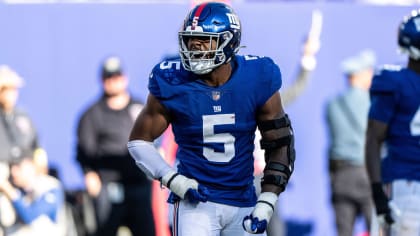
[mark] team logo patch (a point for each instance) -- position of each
(215, 95)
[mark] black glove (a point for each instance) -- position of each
(381, 203)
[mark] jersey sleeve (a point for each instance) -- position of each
(153, 86)
(276, 79)
(164, 77)
(383, 95)
(271, 80)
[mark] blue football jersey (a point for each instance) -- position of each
(214, 127)
(395, 100)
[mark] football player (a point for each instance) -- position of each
(214, 100)
(394, 120)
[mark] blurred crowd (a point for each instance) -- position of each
(31, 200)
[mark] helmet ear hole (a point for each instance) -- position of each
(217, 21)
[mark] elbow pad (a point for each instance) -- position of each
(280, 172)
(148, 158)
(285, 141)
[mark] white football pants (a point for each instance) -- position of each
(405, 207)
(209, 219)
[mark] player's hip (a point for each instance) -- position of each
(209, 219)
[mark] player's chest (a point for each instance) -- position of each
(196, 102)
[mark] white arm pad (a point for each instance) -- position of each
(148, 158)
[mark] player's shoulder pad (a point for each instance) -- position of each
(386, 78)
(266, 68)
(166, 74)
(171, 71)
(262, 60)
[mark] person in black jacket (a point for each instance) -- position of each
(121, 194)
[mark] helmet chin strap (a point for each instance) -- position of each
(414, 52)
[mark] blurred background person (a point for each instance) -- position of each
(37, 198)
(121, 193)
(17, 132)
(347, 121)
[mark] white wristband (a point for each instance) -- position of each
(178, 183)
(265, 206)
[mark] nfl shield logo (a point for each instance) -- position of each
(215, 95)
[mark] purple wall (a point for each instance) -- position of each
(57, 48)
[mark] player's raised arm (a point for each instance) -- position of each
(308, 60)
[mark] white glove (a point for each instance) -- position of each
(257, 222)
(184, 187)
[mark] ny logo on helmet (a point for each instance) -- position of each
(234, 21)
